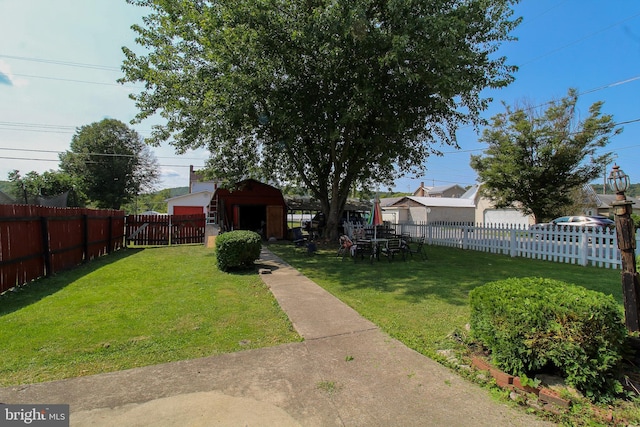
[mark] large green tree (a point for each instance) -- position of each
(330, 94)
(111, 163)
(536, 160)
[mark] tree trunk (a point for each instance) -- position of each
(333, 222)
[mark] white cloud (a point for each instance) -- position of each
(7, 77)
(170, 178)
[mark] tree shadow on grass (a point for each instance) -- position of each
(412, 279)
(36, 290)
(449, 274)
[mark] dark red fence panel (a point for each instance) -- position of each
(64, 234)
(188, 229)
(105, 233)
(152, 230)
(21, 245)
(147, 230)
(37, 241)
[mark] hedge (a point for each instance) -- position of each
(237, 249)
(534, 324)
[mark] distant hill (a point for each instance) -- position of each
(178, 191)
(634, 190)
(5, 187)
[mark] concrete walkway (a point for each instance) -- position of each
(346, 373)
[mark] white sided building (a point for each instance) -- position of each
(190, 204)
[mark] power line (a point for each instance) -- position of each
(45, 128)
(116, 69)
(65, 63)
(482, 149)
(33, 159)
(35, 125)
(610, 85)
(76, 81)
(198, 158)
(88, 154)
(66, 132)
(538, 16)
(580, 40)
(597, 89)
(55, 128)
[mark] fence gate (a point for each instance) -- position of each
(158, 230)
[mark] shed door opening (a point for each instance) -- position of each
(253, 217)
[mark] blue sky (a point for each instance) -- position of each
(59, 61)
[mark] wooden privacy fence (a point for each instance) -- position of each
(574, 246)
(165, 229)
(38, 241)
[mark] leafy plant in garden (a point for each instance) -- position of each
(535, 324)
(237, 249)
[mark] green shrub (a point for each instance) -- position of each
(237, 249)
(534, 324)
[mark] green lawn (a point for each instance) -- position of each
(421, 302)
(133, 308)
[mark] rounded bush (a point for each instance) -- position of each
(534, 324)
(237, 249)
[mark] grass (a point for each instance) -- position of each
(134, 308)
(423, 302)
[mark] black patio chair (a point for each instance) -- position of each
(299, 239)
(392, 248)
(417, 247)
(364, 248)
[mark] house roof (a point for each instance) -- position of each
(388, 201)
(439, 189)
(471, 193)
(207, 194)
(601, 201)
(445, 202)
(606, 200)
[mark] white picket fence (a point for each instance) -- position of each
(581, 247)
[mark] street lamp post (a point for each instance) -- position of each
(625, 232)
